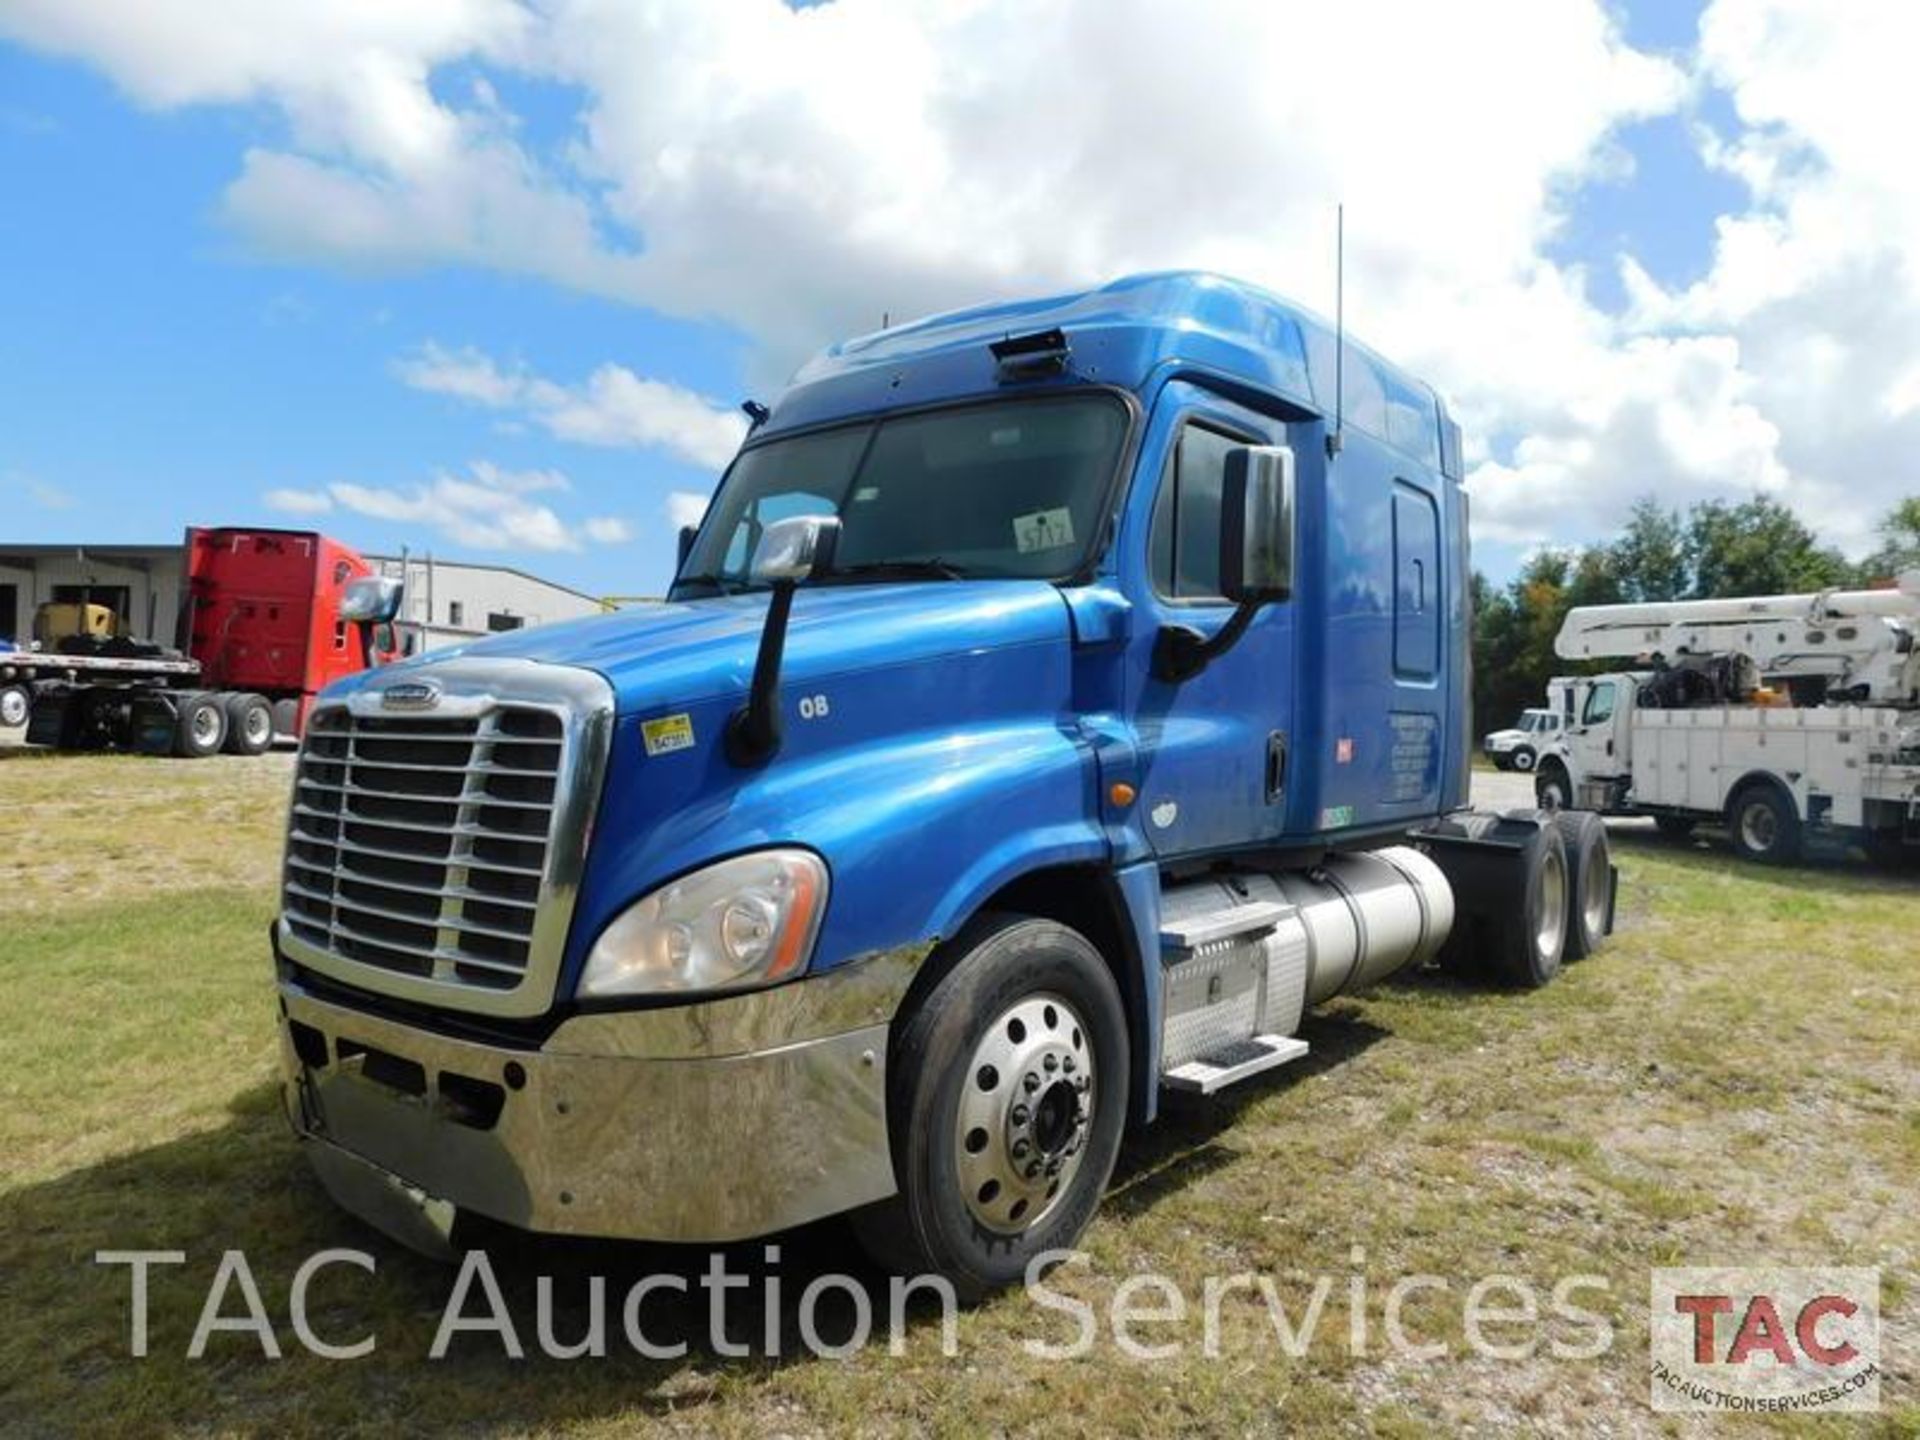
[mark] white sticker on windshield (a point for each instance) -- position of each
(1043, 530)
(866, 493)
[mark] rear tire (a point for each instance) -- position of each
(200, 726)
(1763, 826)
(1590, 866)
(249, 725)
(1007, 1094)
(16, 705)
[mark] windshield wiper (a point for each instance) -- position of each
(934, 569)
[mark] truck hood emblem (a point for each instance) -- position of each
(410, 695)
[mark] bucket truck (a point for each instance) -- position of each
(1792, 719)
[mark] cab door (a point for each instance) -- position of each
(1214, 747)
(1599, 740)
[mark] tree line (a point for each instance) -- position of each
(1715, 549)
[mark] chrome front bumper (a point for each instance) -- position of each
(701, 1123)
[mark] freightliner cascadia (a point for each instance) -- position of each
(1057, 700)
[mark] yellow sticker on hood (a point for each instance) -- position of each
(667, 734)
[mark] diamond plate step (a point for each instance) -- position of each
(1232, 1063)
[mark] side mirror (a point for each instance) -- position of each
(1257, 525)
(789, 551)
(1256, 557)
(370, 600)
(794, 550)
(688, 533)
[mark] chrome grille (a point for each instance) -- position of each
(421, 849)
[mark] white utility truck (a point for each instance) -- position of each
(1792, 719)
(1518, 747)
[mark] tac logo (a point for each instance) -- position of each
(1769, 1340)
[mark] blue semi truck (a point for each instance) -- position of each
(1057, 700)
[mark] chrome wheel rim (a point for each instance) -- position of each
(13, 708)
(1025, 1113)
(259, 726)
(205, 725)
(1552, 797)
(1522, 761)
(1553, 904)
(1759, 829)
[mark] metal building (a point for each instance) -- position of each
(446, 601)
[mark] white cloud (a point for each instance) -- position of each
(36, 490)
(607, 530)
(686, 507)
(488, 508)
(794, 173)
(298, 502)
(613, 406)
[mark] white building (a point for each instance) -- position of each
(445, 601)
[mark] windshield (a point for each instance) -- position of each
(1016, 489)
(1536, 720)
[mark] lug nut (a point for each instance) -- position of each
(1019, 1115)
(1052, 1063)
(1033, 1169)
(1068, 1065)
(1019, 1149)
(1083, 1084)
(1053, 1167)
(1032, 1082)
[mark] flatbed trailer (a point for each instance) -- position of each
(270, 617)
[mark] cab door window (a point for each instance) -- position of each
(1599, 705)
(1184, 540)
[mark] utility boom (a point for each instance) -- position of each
(1860, 643)
(1702, 730)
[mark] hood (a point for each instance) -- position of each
(659, 653)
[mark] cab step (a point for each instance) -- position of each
(1233, 1062)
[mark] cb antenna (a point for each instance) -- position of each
(1337, 437)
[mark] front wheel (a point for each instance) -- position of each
(1007, 1095)
(16, 705)
(1551, 790)
(1523, 760)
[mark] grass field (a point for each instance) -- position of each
(1737, 1079)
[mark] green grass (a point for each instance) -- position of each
(1737, 1078)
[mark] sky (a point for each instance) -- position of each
(489, 278)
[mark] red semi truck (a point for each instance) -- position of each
(268, 619)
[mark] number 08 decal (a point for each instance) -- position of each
(813, 707)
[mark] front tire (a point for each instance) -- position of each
(1551, 788)
(1763, 826)
(1523, 759)
(1007, 1095)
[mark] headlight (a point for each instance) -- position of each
(742, 922)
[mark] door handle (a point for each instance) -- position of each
(1276, 766)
